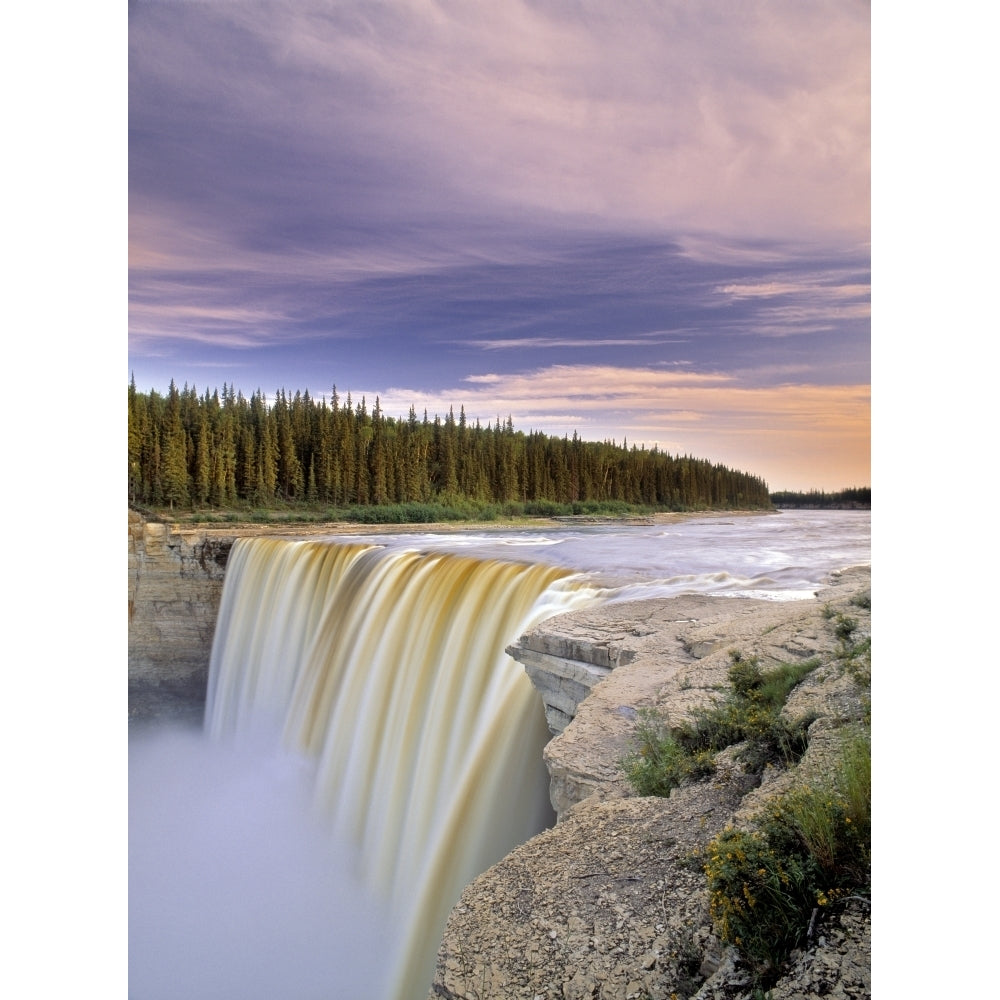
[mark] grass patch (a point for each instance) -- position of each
(809, 849)
(660, 763)
(862, 600)
(855, 651)
(856, 660)
(844, 627)
(667, 756)
(751, 714)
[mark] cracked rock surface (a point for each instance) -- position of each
(612, 902)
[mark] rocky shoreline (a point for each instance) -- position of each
(612, 901)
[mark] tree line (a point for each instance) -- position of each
(855, 497)
(225, 450)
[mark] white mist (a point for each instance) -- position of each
(236, 889)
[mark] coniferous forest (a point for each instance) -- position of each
(856, 497)
(224, 450)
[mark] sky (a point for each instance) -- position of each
(646, 222)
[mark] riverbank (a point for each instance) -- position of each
(670, 653)
(277, 522)
(613, 902)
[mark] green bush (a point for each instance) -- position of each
(807, 849)
(667, 756)
(845, 627)
(406, 513)
(545, 508)
(757, 896)
(660, 763)
(863, 600)
(830, 822)
(751, 714)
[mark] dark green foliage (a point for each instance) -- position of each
(665, 757)
(758, 895)
(659, 762)
(844, 627)
(856, 497)
(751, 714)
(413, 513)
(807, 850)
(223, 451)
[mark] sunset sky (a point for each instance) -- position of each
(639, 221)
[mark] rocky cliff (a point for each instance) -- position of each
(174, 587)
(612, 902)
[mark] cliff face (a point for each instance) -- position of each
(174, 587)
(612, 902)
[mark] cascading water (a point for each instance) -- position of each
(387, 668)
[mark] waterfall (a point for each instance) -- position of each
(387, 669)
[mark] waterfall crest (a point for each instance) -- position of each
(387, 668)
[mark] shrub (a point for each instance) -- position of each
(863, 600)
(752, 714)
(404, 513)
(487, 512)
(545, 508)
(854, 653)
(808, 849)
(668, 756)
(757, 896)
(845, 627)
(660, 763)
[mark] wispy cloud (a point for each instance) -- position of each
(796, 433)
(535, 343)
(408, 192)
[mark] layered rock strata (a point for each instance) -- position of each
(612, 901)
(175, 577)
(174, 588)
(565, 668)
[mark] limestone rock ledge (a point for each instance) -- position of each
(174, 588)
(565, 668)
(611, 902)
